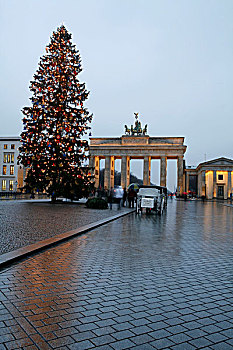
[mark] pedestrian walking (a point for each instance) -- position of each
(119, 196)
(131, 197)
(110, 198)
(124, 197)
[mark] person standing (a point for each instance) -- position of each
(110, 198)
(119, 196)
(124, 197)
(131, 197)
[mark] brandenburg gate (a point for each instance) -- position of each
(136, 144)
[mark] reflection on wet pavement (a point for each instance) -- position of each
(140, 282)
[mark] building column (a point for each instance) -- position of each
(97, 171)
(180, 172)
(203, 183)
(163, 171)
(91, 162)
(107, 172)
(20, 177)
(25, 173)
(199, 185)
(112, 168)
(211, 184)
(146, 170)
(214, 184)
(187, 182)
(125, 171)
(229, 187)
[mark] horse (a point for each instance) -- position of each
(127, 130)
(144, 131)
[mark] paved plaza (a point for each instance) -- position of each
(26, 222)
(140, 282)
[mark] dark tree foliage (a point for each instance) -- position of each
(52, 146)
(117, 178)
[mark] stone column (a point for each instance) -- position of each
(203, 183)
(112, 168)
(211, 184)
(91, 162)
(214, 185)
(107, 172)
(199, 185)
(163, 171)
(187, 182)
(25, 173)
(20, 177)
(229, 187)
(146, 170)
(125, 171)
(180, 172)
(97, 171)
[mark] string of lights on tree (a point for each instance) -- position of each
(52, 147)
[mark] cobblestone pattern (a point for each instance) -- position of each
(23, 223)
(145, 282)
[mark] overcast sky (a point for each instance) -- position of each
(169, 60)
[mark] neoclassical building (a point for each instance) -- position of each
(136, 144)
(212, 179)
(11, 174)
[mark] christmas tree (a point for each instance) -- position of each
(52, 147)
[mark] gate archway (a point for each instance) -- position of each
(136, 144)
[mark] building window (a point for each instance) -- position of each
(5, 146)
(220, 177)
(3, 185)
(13, 146)
(11, 169)
(4, 170)
(11, 185)
(8, 158)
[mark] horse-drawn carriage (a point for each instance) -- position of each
(151, 198)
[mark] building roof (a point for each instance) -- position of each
(10, 138)
(217, 161)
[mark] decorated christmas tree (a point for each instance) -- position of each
(52, 144)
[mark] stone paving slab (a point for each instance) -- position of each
(24, 222)
(139, 282)
(18, 254)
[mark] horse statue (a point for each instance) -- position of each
(127, 130)
(136, 129)
(144, 131)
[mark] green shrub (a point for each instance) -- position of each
(96, 203)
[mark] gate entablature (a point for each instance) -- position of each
(133, 146)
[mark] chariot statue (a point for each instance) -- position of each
(136, 129)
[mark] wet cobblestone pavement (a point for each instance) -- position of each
(26, 222)
(140, 282)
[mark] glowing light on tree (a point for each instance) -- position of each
(52, 146)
